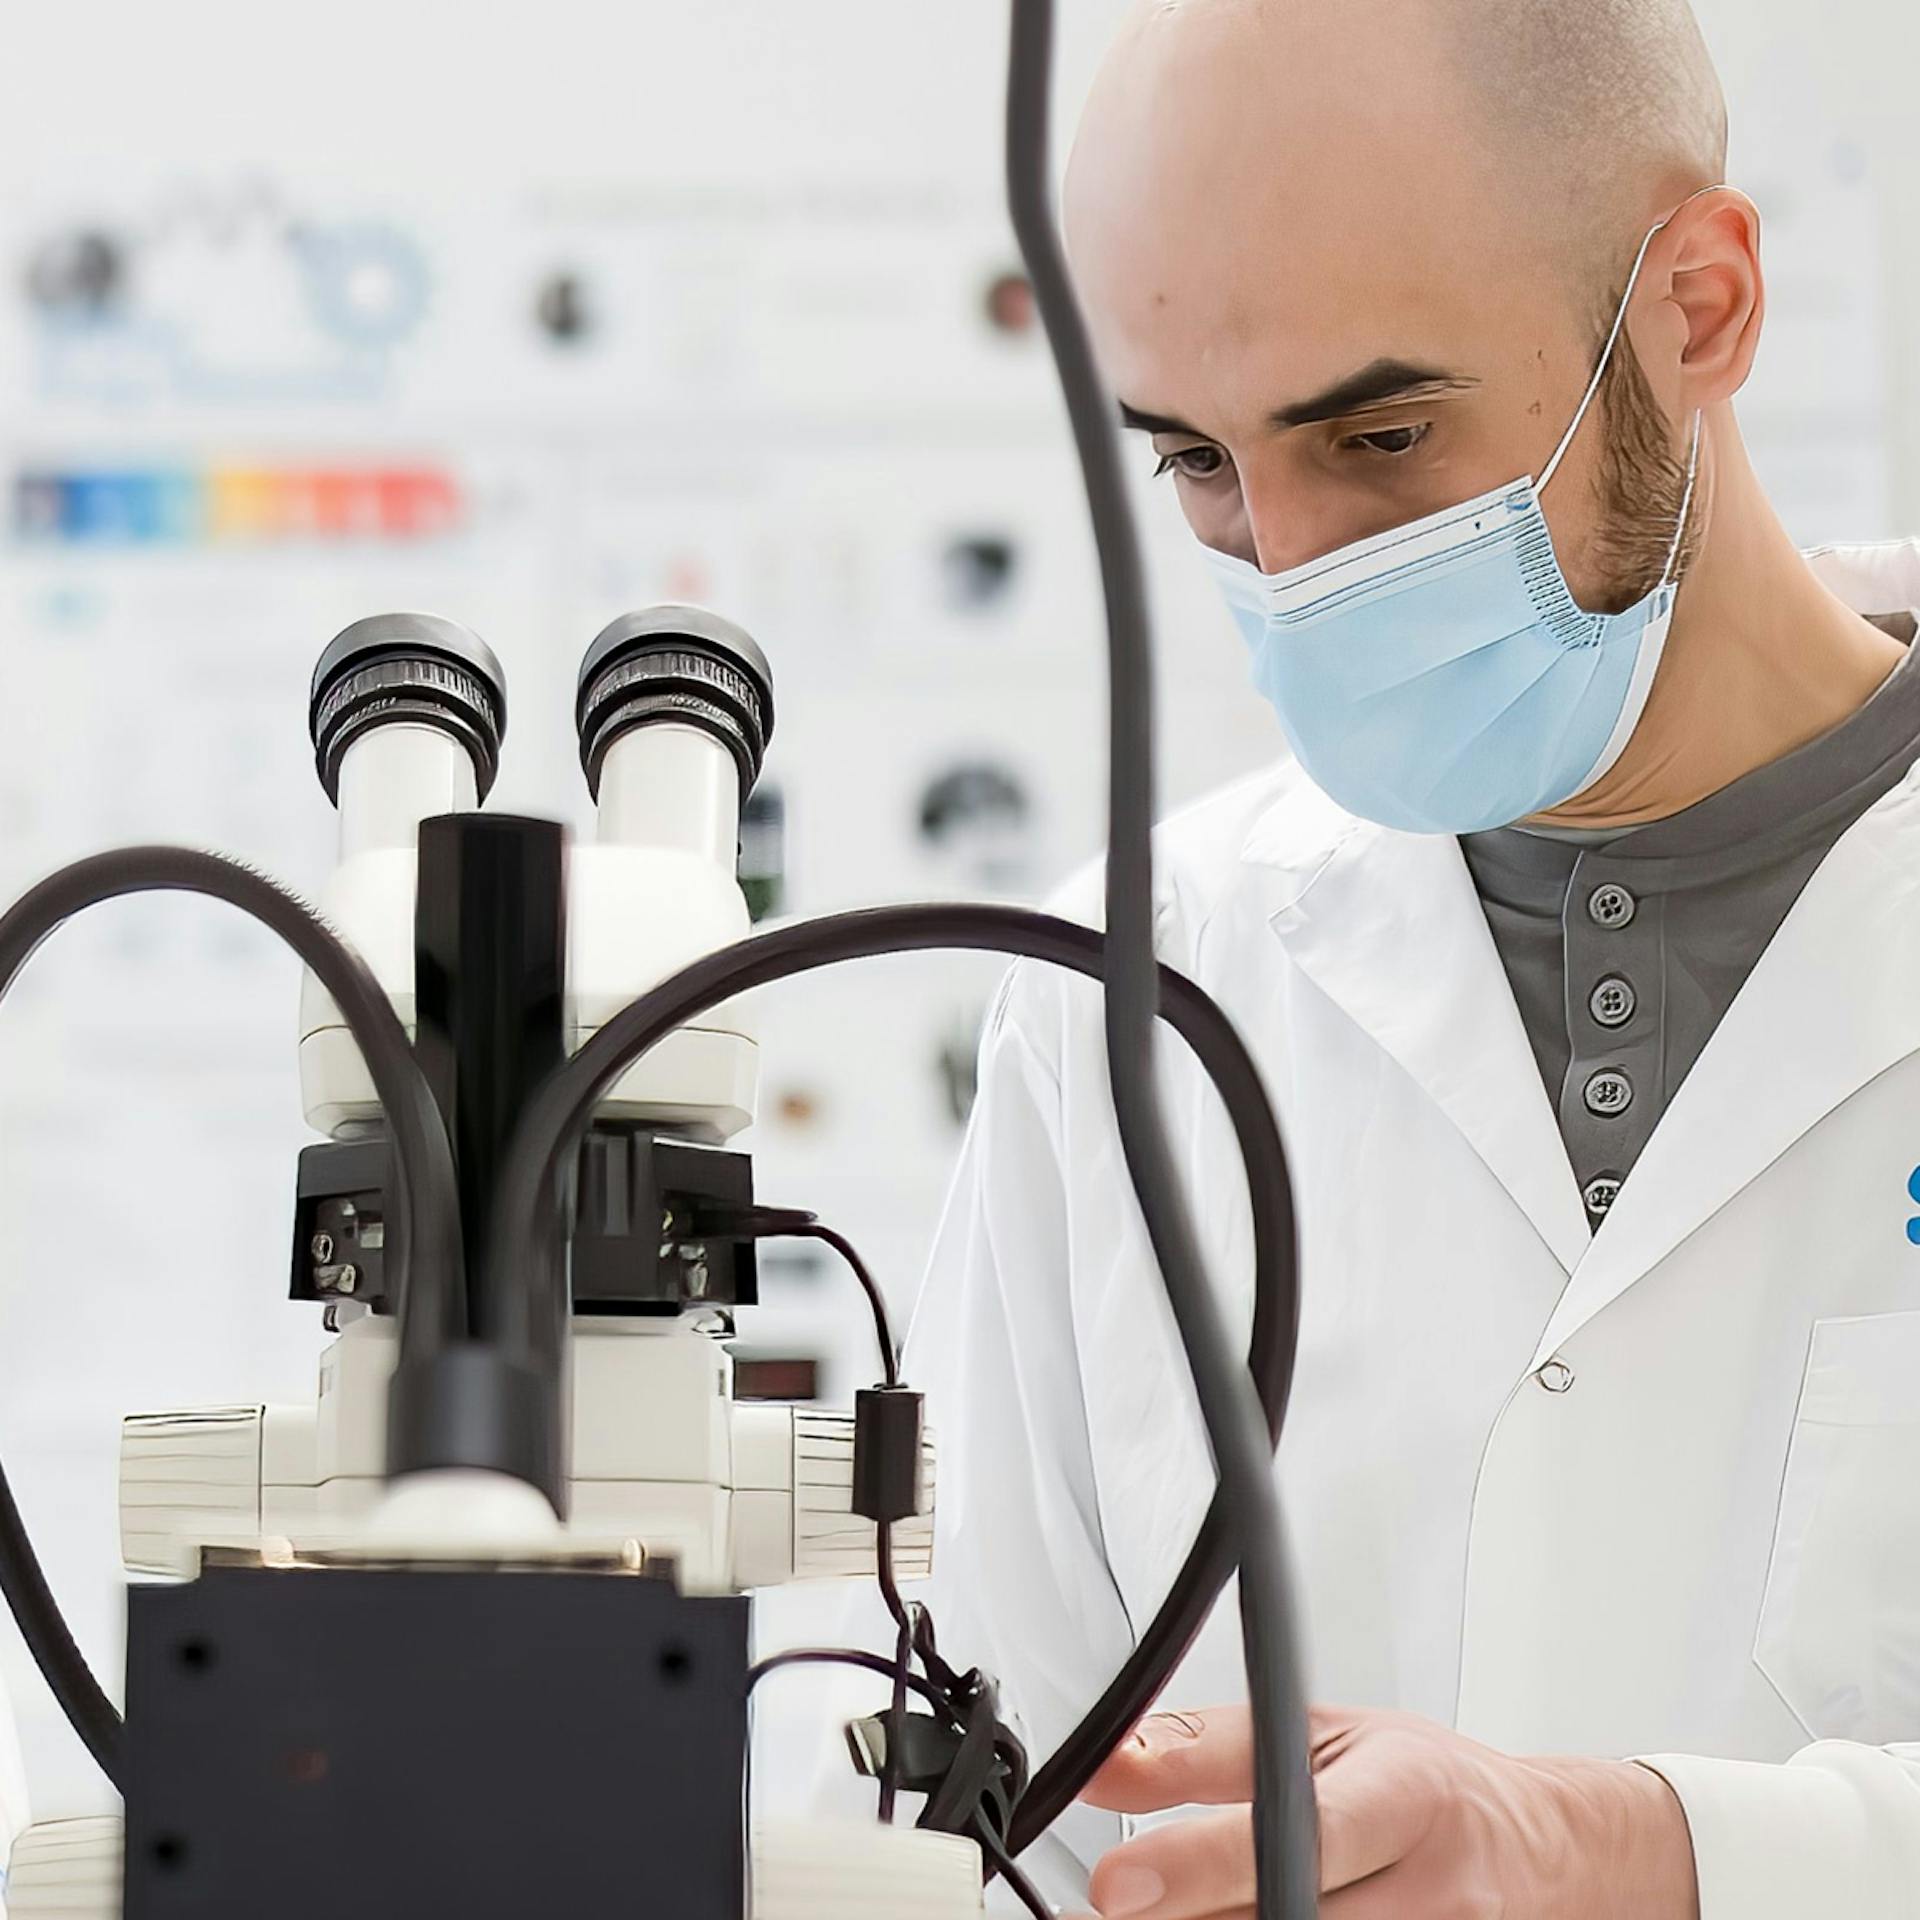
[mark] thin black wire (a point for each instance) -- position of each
(423, 1243)
(882, 1325)
(557, 1117)
(795, 1223)
(902, 1673)
(843, 1657)
(1010, 1871)
(781, 1223)
(1284, 1817)
(889, 1582)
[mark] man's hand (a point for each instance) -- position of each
(1416, 1823)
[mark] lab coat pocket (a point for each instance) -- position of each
(1839, 1633)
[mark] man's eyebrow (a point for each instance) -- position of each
(1156, 423)
(1372, 386)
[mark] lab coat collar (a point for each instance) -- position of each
(1389, 927)
(1829, 1006)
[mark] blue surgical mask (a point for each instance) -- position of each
(1441, 678)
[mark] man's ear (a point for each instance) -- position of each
(1706, 331)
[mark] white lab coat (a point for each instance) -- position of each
(14, 1814)
(1652, 1492)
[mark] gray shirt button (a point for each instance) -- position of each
(1609, 1092)
(1610, 906)
(1612, 1002)
(1601, 1193)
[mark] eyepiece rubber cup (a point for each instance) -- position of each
(677, 665)
(412, 669)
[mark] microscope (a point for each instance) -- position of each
(593, 1705)
(675, 709)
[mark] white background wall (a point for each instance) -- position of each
(786, 214)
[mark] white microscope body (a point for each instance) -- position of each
(666, 1468)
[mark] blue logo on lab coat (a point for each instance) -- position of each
(1913, 1193)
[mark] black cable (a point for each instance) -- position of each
(1009, 1869)
(44, 1628)
(876, 1300)
(795, 1223)
(1284, 1818)
(552, 1126)
(423, 1233)
(842, 1657)
(902, 1670)
(882, 1529)
(884, 1573)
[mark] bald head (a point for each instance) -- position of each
(1577, 115)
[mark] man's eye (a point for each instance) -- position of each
(1192, 463)
(1390, 442)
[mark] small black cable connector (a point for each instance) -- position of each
(888, 1423)
(968, 1762)
(971, 1765)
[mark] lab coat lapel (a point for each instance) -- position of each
(1389, 927)
(1829, 1006)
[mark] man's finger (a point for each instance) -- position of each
(1373, 1812)
(1178, 1760)
(1198, 1869)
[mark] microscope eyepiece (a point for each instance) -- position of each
(412, 669)
(677, 665)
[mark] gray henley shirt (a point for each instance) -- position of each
(1625, 948)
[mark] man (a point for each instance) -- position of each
(1582, 975)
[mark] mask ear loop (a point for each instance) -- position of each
(1686, 505)
(1613, 340)
(1606, 360)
